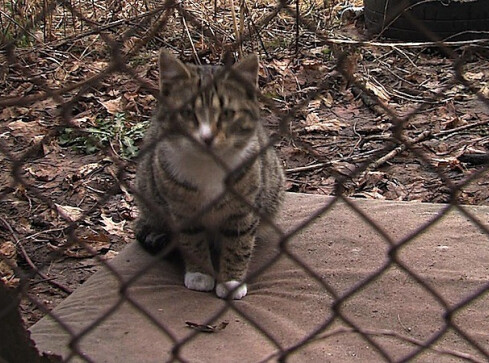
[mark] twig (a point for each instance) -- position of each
(43, 232)
(258, 34)
(48, 279)
(307, 168)
(241, 17)
(461, 128)
(404, 326)
(97, 30)
(196, 56)
(406, 56)
(404, 44)
(368, 101)
(235, 26)
(393, 153)
(297, 30)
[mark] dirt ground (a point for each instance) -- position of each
(334, 139)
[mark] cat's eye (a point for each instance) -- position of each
(241, 127)
(228, 113)
(186, 112)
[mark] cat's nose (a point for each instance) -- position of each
(206, 134)
(208, 139)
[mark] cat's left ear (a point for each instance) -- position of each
(248, 69)
(171, 69)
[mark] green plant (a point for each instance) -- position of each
(115, 132)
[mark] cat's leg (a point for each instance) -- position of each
(237, 243)
(198, 265)
(234, 261)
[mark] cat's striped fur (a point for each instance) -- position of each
(207, 176)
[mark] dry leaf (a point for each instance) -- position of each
(20, 126)
(8, 261)
(371, 178)
(8, 113)
(332, 125)
(45, 105)
(113, 106)
(111, 226)
(373, 194)
(378, 91)
(344, 168)
(450, 162)
(68, 212)
(454, 122)
(474, 76)
(314, 105)
(109, 255)
(42, 174)
(88, 246)
(81, 121)
(85, 170)
(204, 328)
(280, 65)
(312, 118)
(328, 100)
(25, 129)
(484, 91)
(98, 66)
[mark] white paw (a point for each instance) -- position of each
(223, 288)
(199, 281)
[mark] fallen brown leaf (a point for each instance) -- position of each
(205, 328)
(112, 227)
(378, 91)
(113, 106)
(89, 245)
(88, 169)
(332, 125)
(8, 262)
(450, 162)
(68, 212)
(41, 174)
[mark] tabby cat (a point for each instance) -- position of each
(206, 178)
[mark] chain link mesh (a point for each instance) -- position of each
(64, 57)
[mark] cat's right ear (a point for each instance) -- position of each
(171, 69)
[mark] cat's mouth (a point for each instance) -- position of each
(206, 147)
(209, 141)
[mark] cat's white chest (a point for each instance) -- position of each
(209, 179)
(201, 172)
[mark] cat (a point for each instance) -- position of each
(207, 176)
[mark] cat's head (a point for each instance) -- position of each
(214, 106)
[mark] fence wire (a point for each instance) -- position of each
(80, 75)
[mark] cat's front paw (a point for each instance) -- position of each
(199, 281)
(236, 288)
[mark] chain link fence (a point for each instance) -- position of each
(79, 83)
